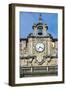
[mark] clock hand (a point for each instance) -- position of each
(40, 47)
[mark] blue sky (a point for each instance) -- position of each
(27, 19)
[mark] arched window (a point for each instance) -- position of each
(39, 31)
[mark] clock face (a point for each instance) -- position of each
(39, 47)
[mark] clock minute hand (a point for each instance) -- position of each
(40, 47)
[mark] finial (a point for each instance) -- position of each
(40, 18)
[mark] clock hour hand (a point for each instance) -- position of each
(40, 47)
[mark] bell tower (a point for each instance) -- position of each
(40, 29)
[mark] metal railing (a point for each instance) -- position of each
(43, 69)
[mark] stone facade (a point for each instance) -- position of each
(38, 51)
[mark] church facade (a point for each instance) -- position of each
(39, 52)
